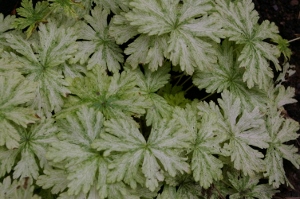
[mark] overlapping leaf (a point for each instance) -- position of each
(185, 191)
(278, 97)
(115, 6)
(248, 187)
(121, 29)
(5, 26)
(240, 24)
(65, 6)
(243, 130)
(281, 131)
(116, 190)
(115, 96)
(17, 189)
(150, 83)
(42, 61)
(186, 30)
(31, 151)
(15, 92)
(31, 16)
(152, 50)
(205, 166)
(226, 75)
(54, 178)
(98, 48)
(85, 167)
(159, 154)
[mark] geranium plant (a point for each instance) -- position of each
(95, 101)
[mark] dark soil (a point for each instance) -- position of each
(286, 15)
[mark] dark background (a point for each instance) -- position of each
(286, 15)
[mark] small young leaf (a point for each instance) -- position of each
(31, 17)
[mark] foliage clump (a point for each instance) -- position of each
(111, 99)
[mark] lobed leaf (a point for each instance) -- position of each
(17, 189)
(41, 62)
(15, 91)
(84, 167)
(115, 96)
(30, 156)
(31, 16)
(128, 147)
(97, 48)
(240, 24)
(281, 131)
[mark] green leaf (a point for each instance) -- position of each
(185, 190)
(159, 109)
(152, 81)
(121, 29)
(65, 6)
(283, 46)
(8, 62)
(248, 187)
(115, 6)
(42, 61)
(149, 83)
(31, 16)
(8, 158)
(243, 130)
(32, 150)
(287, 71)
(226, 75)
(84, 166)
(188, 40)
(240, 24)
(279, 96)
(151, 51)
(17, 189)
(116, 190)
(5, 26)
(98, 48)
(55, 178)
(15, 91)
(281, 130)
(115, 96)
(159, 154)
(205, 166)
(153, 17)
(192, 52)
(6, 22)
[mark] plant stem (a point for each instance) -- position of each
(207, 96)
(294, 39)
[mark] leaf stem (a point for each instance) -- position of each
(292, 40)
(189, 88)
(180, 77)
(207, 96)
